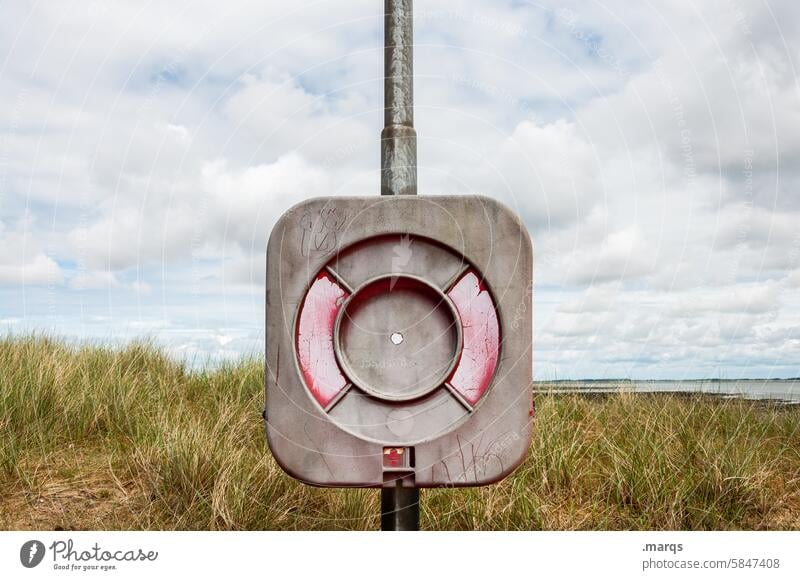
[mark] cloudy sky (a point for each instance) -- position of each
(652, 148)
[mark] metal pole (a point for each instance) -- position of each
(399, 505)
(399, 508)
(398, 138)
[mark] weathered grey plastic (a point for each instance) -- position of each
(451, 447)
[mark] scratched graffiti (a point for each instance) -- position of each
(476, 463)
(321, 231)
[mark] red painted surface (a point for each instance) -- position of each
(315, 339)
(481, 333)
(395, 457)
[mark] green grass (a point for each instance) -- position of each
(95, 438)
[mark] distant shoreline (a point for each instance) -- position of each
(780, 390)
(552, 381)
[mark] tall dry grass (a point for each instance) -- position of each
(95, 438)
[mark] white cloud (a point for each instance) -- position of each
(622, 256)
(741, 299)
(550, 174)
(95, 280)
(595, 299)
(652, 150)
(141, 288)
(40, 269)
(24, 259)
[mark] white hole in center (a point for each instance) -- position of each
(396, 338)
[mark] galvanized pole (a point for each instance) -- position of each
(399, 505)
(399, 508)
(398, 138)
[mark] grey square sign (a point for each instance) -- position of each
(399, 341)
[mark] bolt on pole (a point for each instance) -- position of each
(399, 505)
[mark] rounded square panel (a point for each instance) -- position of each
(402, 326)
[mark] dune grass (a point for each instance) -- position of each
(95, 438)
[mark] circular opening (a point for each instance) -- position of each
(424, 334)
